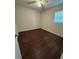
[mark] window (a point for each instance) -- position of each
(58, 17)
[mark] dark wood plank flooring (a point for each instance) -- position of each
(40, 44)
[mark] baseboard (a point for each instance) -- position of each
(28, 29)
(43, 29)
(53, 32)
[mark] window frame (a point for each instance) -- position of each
(59, 22)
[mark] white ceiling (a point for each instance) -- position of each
(51, 3)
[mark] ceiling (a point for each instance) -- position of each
(49, 4)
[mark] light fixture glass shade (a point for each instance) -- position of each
(39, 5)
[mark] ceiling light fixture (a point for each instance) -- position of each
(39, 4)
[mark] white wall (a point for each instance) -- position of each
(61, 56)
(17, 50)
(47, 21)
(26, 19)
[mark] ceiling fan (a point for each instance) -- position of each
(41, 3)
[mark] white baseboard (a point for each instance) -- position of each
(43, 29)
(54, 32)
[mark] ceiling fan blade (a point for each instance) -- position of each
(42, 6)
(31, 2)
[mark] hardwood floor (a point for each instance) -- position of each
(40, 44)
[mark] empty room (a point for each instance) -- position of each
(39, 29)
